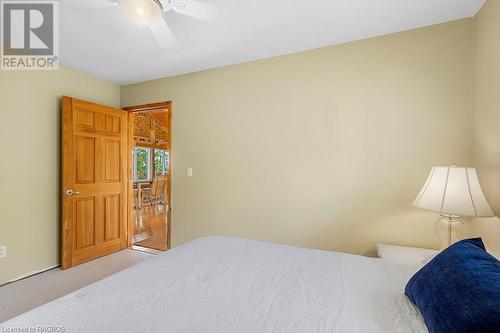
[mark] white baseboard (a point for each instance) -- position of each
(27, 275)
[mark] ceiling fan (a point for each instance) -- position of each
(150, 13)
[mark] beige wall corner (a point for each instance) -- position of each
(29, 171)
(324, 148)
(486, 107)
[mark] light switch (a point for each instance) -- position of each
(189, 172)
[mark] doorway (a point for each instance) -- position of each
(149, 173)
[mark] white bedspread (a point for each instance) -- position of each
(218, 284)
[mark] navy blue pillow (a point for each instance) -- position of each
(459, 290)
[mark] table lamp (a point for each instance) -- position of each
(453, 192)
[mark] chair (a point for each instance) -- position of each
(156, 195)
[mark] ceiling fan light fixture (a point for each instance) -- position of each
(142, 12)
(178, 5)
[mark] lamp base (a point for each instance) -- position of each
(449, 229)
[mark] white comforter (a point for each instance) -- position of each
(218, 284)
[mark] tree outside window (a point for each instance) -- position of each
(161, 162)
(142, 163)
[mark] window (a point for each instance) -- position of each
(142, 164)
(148, 163)
(161, 162)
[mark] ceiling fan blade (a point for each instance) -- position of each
(196, 9)
(162, 33)
(80, 5)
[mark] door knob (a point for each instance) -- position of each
(70, 192)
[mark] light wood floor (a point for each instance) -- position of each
(151, 227)
(29, 293)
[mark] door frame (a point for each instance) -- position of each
(144, 108)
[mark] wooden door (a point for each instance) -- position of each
(94, 181)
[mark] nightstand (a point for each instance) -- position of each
(414, 256)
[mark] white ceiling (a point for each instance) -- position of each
(105, 43)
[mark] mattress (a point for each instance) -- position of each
(220, 284)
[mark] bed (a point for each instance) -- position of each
(220, 284)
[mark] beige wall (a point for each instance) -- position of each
(325, 148)
(486, 128)
(29, 171)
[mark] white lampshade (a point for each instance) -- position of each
(453, 191)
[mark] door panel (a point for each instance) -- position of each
(84, 118)
(111, 160)
(84, 222)
(112, 217)
(94, 165)
(84, 160)
(112, 124)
